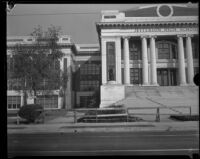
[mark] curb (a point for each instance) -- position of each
(99, 128)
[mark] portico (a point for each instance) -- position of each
(148, 62)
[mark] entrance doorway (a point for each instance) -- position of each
(166, 76)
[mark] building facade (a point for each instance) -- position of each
(55, 101)
(82, 62)
(153, 45)
(87, 75)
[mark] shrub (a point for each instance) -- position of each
(185, 117)
(29, 112)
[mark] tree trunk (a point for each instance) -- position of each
(25, 98)
(24, 93)
(64, 98)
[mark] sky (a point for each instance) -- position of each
(81, 27)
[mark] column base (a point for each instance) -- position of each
(183, 84)
(111, 82)
(146, 84)
(128, 84)
(191, 84)
(155, 84)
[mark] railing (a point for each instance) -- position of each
(95, 113)
(127, 112)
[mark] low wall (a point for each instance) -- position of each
(111, 93)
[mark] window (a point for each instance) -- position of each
(90, 69)
(89, 76)
(134, 50)
(13, 102)
(89, 85)
(48, 101)
(196, 70)
(174, 52)
(163, 51)
(65, 64)
(110, 46)
(85, 101)
(195, 50)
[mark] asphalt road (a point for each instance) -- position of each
(119, 143)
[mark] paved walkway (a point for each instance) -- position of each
(61, 125)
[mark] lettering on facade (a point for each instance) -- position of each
(164, 29)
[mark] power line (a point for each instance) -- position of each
(54, 14)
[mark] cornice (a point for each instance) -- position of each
(121, 24)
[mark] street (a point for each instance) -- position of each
(118, 143)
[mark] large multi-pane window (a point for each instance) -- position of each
(88, 85)
(89, 76)
(13, 102)
(167, 76)
(195, 48)
(90, 68)
(163, 50)
(110, 51)
(48, 101)
(174, 51)
(196, 70)
(167, 50)
(134, 48)
(85, 101)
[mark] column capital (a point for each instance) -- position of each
(153, 36)
(144, 36)
(180, 35)
(189, 35)
(126, 37)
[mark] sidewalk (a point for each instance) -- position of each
(62, 125)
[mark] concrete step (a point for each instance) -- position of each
(171, 96)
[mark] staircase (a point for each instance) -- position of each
(162, 96)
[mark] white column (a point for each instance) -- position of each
(144, 61)
(153, 61)
(126, 61)
(190, 67)
(118, 61)
(181, 61)
(103, 61)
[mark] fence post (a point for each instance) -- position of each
(127, 114)
(158, 115)
(190, 111)
(74, 116)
